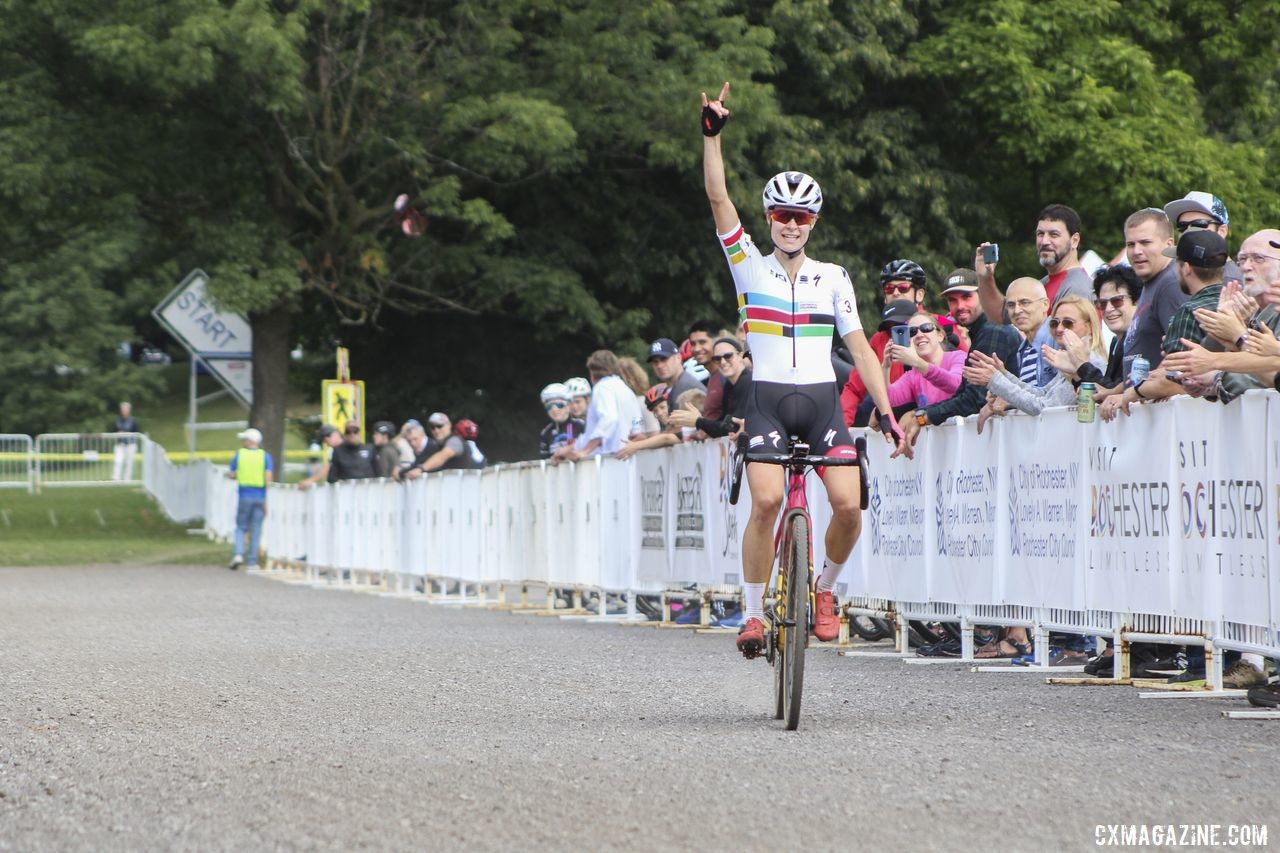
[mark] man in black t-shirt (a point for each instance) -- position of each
(349, 459)
(452, 452)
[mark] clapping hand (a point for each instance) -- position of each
(1262, 342)
(1074, 353)
(981, 368)
(1225, 326)
(1194, 359)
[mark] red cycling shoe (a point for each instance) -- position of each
(751, 638)
(827, 622)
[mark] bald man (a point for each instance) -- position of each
(1027, 304)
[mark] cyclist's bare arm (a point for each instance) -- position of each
(722, 209)
(868, 367)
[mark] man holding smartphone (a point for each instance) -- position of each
(1058, 250)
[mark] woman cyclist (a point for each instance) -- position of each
(790, 304)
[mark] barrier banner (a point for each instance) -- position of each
(1226, 513)
(960, 542)
(1043, 498)
(892, 548)
(725, 522)
(1134, 522)
(690, 496)
(1273, 478)
(651, 507)
(619, 539)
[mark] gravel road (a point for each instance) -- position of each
(183, 708)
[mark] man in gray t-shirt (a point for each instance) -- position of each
(1147, 233)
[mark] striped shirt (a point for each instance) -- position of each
(789, 324)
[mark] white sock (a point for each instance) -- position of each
(830, 574)
(753, 607)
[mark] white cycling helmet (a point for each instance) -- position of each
(793, 189)
(578, 387)
(555, 391)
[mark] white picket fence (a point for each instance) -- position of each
(1164, 526)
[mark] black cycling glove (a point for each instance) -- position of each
(712, 122)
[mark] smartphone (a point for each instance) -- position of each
(1174, 376)
(901, 335)
(991, 253)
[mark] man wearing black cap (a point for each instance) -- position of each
(1201, 256)
(961, 292)
(664, 358)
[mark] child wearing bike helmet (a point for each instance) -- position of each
(563, 428)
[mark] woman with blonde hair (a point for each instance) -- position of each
(638, 381)
(1074, 328)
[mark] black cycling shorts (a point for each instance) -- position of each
(812, 413)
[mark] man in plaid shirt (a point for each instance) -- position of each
(1201, 257)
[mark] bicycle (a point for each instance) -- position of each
(791, 616)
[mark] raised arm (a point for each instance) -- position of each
(714, 115)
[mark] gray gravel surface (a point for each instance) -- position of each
(199, 709)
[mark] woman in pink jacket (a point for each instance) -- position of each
(936, 372)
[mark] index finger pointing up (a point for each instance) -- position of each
(724, 93)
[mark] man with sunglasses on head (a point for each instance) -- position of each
(790, 305)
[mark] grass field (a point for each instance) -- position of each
(165, 421)
(109, 524)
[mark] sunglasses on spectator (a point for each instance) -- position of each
(1254, 258)
(726, 357)
(898, 287)
(553, 406)
(1065, 322)
(352, 430)
(912, 331)
(1113, 301)
(437, 426)
(1197, 223)
(783, 215)
(1020, 303)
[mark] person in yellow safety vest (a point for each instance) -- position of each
(251, 468)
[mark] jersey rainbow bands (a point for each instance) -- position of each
(789, 325)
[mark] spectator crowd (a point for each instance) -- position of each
(1173, 313)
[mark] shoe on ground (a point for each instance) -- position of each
(236, 562)
(751, 638)
(827, 620)
(1190, 676)
(1265, 696)
(733, 620)
(1103, 666)
(1161, 667)
(690, 614)
(1067, 657)
(941, 649)
(1243, 675)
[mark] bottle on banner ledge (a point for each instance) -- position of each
(1086, 410)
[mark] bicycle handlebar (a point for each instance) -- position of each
(815, 461)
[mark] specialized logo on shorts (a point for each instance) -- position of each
(777, 439)
(829, 437)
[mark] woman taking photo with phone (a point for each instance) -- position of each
(933, 372)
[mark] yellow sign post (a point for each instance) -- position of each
(342, 399)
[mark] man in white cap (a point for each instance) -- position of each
(251, 468)
(1199, 210)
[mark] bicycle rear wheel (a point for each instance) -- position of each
(796, 635)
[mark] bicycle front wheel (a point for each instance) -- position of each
(797, 614)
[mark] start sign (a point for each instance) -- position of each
(222, 340)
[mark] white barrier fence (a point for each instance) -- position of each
(1165, 524)
(183, 491)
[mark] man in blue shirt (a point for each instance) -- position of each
(251, 468)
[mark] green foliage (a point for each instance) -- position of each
(552, 146)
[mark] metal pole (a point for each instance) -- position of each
(191, 419)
